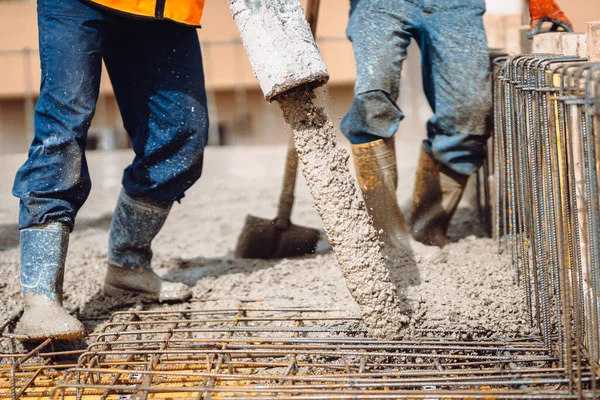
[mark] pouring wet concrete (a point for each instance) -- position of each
(344, 215)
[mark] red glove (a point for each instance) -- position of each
(542, 11)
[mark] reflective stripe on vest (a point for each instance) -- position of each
(187, 12)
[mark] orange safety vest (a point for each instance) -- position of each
(187, 12)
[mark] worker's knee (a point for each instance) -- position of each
(53, 183)
(373, 116)
(460, 127)
(458, 132)
(380, 38)
(164, 181)
(172, 167)
(169, 144)
(466, 113)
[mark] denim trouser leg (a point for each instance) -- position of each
(380, 32)
(457, 85)
(156, 71)
(455, 73)
(157, 75)
(54, 181)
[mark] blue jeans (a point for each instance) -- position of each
(156, 71)
(455, 65)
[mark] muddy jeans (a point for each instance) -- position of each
(156, 71)
(455, 66)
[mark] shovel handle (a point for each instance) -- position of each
(286, 199)
(312, 15)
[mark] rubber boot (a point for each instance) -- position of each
(134, 225)
(43, 253)
(438, 191)
(377, 176)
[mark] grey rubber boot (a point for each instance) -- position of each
(43, 254)
(134, 225)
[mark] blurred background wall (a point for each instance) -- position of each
(238, 113)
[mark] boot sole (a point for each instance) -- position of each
(46, 335)
(114, 291)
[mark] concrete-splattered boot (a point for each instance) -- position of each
(377, 176)
(43, 254)
(134, 225)
(438, 191)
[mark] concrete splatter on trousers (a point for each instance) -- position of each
(155, 68)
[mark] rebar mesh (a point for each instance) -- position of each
(283, 353)
(546, 166)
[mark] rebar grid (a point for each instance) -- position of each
(283, 353)
(546, 166)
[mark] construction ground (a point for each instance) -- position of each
(465, 289)
(515, 316)
(466, 285)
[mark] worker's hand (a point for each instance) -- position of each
(542, 11)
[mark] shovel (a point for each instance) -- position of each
(279, 238)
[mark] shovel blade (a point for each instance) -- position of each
(260, 238)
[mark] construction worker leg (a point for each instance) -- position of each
(54, 181)
(455, 74)
(158, 80)
(457, 85)
(380, 33)
(157, 75)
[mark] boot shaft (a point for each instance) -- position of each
(134, 224)
(375, 163)
(437, 192)
(43, 255)
(377, 176)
